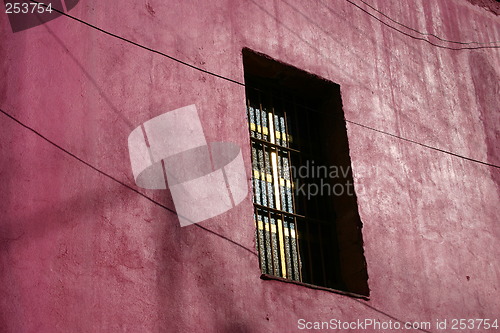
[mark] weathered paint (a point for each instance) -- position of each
(81, 253)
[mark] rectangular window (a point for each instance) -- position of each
(304, 202)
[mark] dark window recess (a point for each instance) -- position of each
(307, 223)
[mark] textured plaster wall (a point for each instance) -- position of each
(81, 253)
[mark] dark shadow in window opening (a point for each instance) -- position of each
(325, 211)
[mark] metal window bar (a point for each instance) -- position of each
(283, 237)
(303, 229)
(276, 234)
(287, 163)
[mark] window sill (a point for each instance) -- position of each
(311, 286)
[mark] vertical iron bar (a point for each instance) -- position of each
(294, 205)
(307, 239)
(269, 200)
(276, 127)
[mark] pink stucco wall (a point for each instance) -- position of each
(81, 253)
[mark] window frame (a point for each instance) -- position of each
(256, 66)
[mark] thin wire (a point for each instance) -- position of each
(85, 162)
(420, 38)
(424, 33)
(118, 181)
(142, 46)
(242, 84)
(423, 145)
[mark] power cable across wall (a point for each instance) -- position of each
(425, 39)
(425, 33)
(128, 187)
(242, 84)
